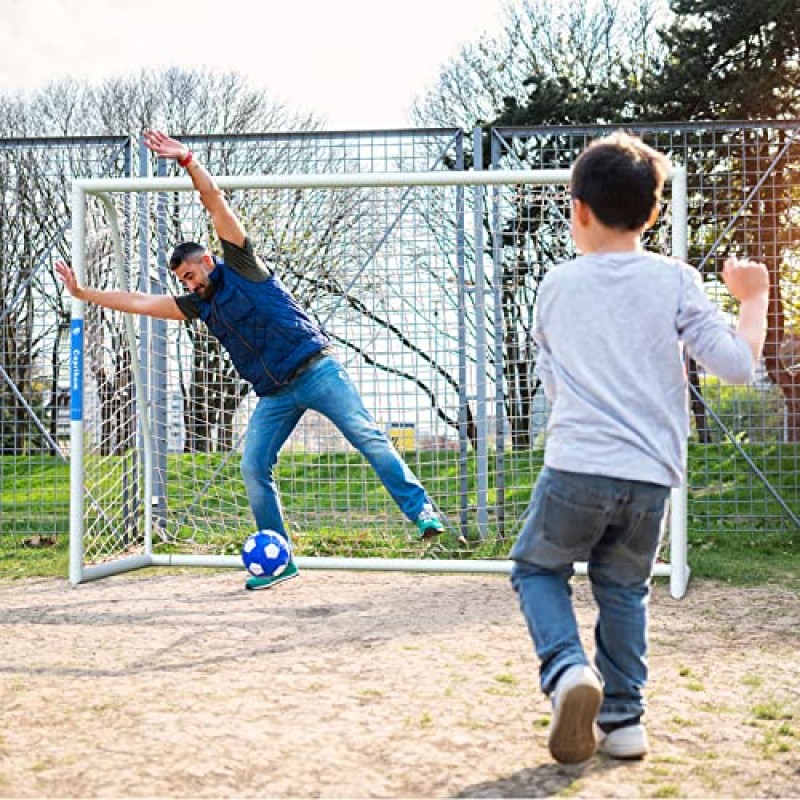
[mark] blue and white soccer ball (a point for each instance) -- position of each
(266, 554)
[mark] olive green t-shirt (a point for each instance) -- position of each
(240, 259)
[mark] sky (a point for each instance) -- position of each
(355, 63)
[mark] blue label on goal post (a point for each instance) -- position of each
(76, 370)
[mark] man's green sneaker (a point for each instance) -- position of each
(428, 523)
(267, 583)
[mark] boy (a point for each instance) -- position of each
(609, 327)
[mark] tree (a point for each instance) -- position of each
(34, 211)
(183, 101)
(32, 320)
(728, 59)
(582, 62)
(623, 63)
(734, 59)
(576, 62)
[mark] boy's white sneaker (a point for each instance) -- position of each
(576, 703)
(629, 742)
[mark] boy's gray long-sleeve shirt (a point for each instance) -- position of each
(609, 329)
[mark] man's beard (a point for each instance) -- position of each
(205, 292)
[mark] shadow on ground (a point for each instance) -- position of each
(546, 780)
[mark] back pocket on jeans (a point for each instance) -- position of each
(561, 529)
(646, 531)
(572, 523)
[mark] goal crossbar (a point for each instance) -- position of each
(348, 180)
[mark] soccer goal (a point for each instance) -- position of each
(405, 272)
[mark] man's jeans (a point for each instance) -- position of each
(324, 387)
(615, 525)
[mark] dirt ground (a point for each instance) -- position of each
(370, 685)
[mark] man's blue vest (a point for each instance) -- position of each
(265, 331)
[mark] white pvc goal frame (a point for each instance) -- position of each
(676, 569)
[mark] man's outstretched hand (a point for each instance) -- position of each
(225, 222)
(165, 146)
(68, 279)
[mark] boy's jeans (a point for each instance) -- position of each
(324, 387)
(615, 525)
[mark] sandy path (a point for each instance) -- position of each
(370, 685)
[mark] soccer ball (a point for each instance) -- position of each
(266, 554)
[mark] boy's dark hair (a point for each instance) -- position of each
(620, 178)
(184, 252)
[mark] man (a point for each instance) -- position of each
(274, 345)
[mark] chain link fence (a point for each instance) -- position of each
(430, 313)
(744, 200)
(35, 223)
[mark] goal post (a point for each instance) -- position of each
(154, 473)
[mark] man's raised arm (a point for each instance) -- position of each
(225, 222)
(161, 306)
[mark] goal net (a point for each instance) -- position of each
(425, 283)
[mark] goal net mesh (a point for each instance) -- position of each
(428, 294)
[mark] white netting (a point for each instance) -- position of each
(434, 330)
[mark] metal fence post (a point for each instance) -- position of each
(499, 352)
(463, 376)
(143, 212)
(77, 488)
(158, 382)
(481, 420)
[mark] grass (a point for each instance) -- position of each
(667, 790)
(772, 710)
(738, 532)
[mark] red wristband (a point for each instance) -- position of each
(186, 160)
